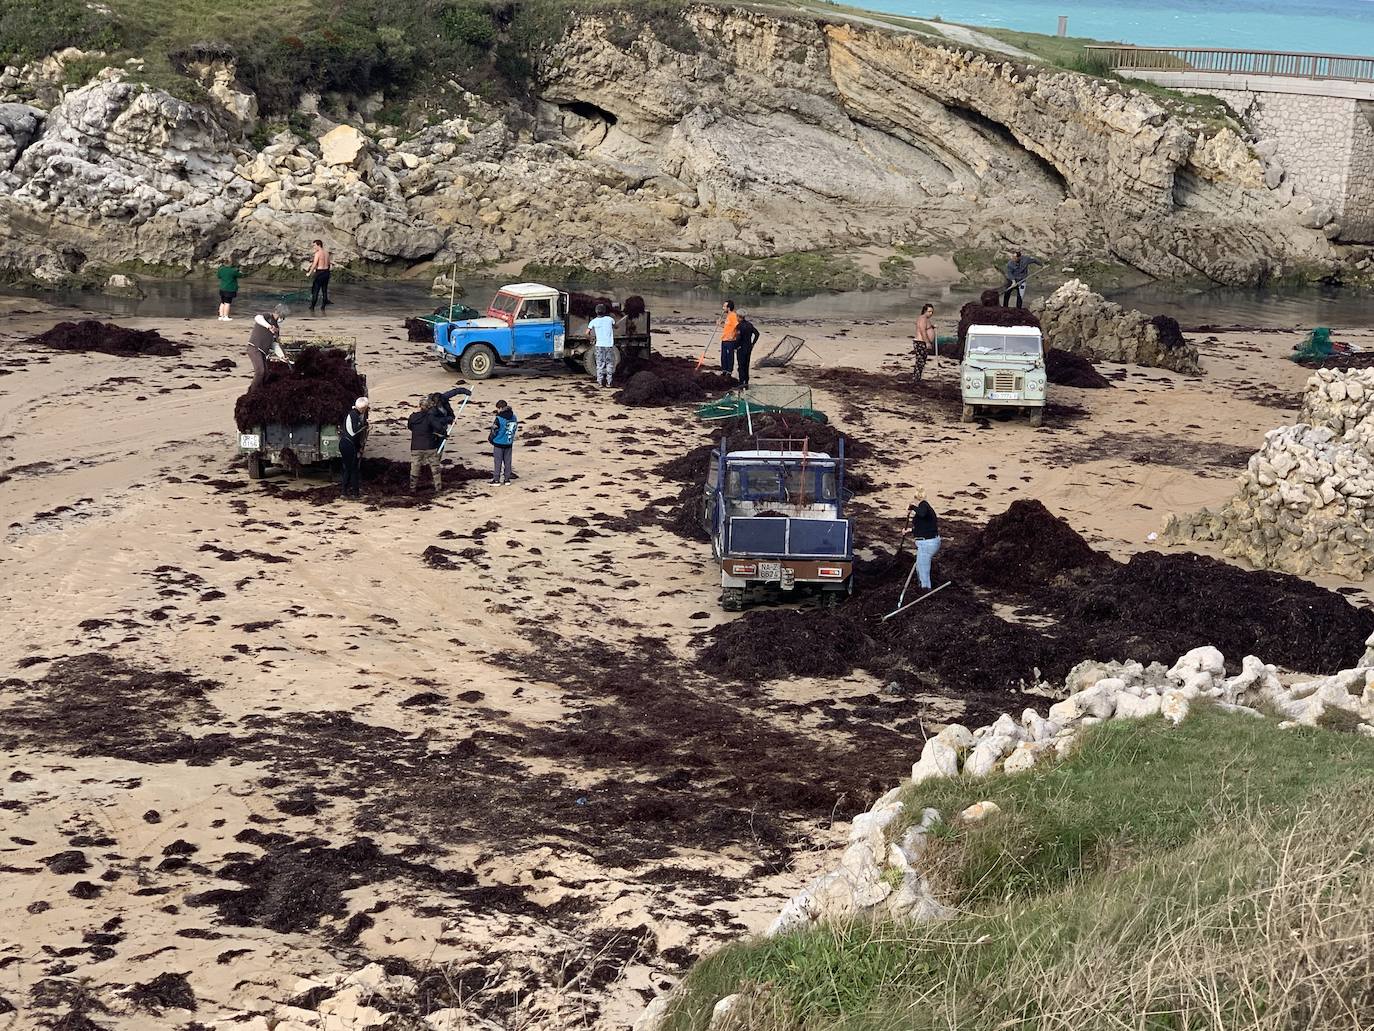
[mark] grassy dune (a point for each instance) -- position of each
(1216, 876)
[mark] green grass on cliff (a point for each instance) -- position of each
(1217, 875)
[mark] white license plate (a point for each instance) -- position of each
(994, 395)
(249, 441)
(770, 570)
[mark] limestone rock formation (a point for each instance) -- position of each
(19, 124)
(742, 132)
(120, 172)
(1305, 503)
(1085, 323)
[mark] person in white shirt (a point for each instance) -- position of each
(602, 331)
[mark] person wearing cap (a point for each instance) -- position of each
(428, 429)
(264, 342)
(352, 440)
(602, 331)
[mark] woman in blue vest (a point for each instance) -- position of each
(502, 438)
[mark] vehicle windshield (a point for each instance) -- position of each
(780, 483)
(504, 304)
(999, 343)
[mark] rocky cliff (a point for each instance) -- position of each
(748, 135)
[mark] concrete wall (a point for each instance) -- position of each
(1321, 133)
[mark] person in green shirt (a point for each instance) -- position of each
(228, 289)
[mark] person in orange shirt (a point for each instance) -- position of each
(729, 337)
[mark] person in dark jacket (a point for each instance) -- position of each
(502, 438)
(428, 429)
(925, 531)
(352, 440)
(746, 336)
(441, 402)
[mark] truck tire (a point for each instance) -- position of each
(575, 364)
(1037, 416)
(255, 467)
(732, 599)
(478, 362)
(967, 414)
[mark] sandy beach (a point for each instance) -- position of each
(253, 735)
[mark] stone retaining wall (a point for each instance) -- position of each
(1323, 145)
(1305, 503)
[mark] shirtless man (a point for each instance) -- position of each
(925, 338)
(319, 276)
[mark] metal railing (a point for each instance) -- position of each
(1238, 62)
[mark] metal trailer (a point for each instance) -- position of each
(294, 446)
(775, 516)
(530, 321)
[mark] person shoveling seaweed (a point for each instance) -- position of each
(319, 387)
(90, 335)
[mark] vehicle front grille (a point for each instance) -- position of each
(1006, 381)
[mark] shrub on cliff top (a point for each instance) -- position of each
(30, 30)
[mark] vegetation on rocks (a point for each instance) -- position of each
(1213, 875)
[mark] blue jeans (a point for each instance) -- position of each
(727, 356)
(925, 553)
(605, 365)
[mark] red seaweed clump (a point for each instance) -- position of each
(659, 380)
(1072, 370)
(992, 315)
(89, 335)
(1027, 544)
(317, 389)
(1170, 335)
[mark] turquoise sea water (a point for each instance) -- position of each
(1317, 26)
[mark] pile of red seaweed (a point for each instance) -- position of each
(583, 306)
(106, 338)
(1068, 602)
(1170, 335)
(992, 315)
(658, 381)
(317, 389)
(1072, 370)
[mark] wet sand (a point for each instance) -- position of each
(254, 735)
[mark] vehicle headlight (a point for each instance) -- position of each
(1035, 381)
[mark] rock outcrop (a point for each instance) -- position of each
(741, 133)
(1085, 323)
(1305, 503)
(120, 172)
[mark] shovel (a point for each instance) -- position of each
(902, 608)
(464, 404)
